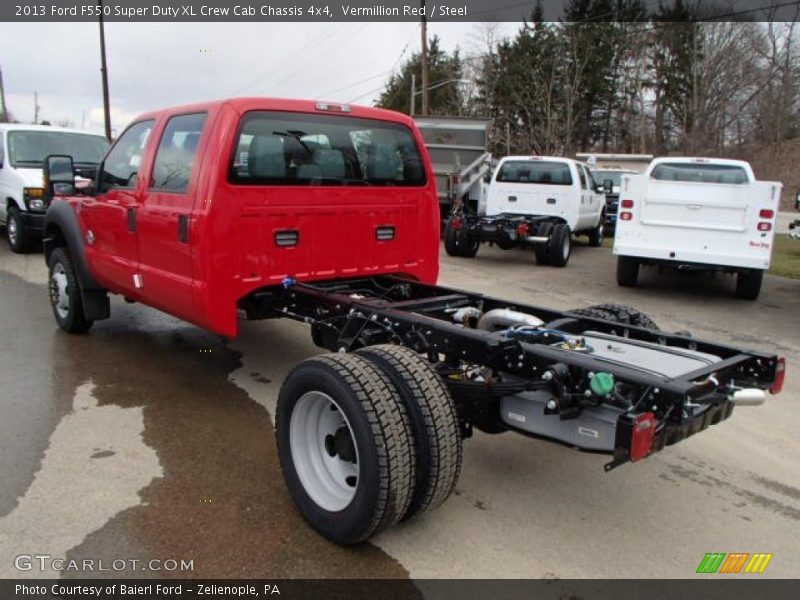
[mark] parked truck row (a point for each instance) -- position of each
(328, 214)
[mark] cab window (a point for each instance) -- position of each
(176, 152)
(534, 171)
(121, 167)
(279, 148)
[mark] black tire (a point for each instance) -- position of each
(467, 246)
(619, 313)
(380, 437)
(627, 271)
(16, 234)
(560, 246)
(450, 239)
(597, 235)
(65, 294)
(432, 413)
(541, 250)
(748, 284)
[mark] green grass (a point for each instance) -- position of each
(785, 257)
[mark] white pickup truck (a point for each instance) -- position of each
(533, 201)
(699, 214)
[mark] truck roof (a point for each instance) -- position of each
(701, 159)
(536, 157)
(243, 105)
(28, 127)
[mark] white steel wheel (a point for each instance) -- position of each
(345, 446)
(65, 293)
(59, 291)
(323, 451)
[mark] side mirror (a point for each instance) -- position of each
(608, 186)
(58, 174)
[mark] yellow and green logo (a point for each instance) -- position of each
(735, 562)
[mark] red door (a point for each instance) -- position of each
(111, 216)
(164, 219)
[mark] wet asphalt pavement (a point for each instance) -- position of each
(149, 438)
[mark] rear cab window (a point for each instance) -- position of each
(700, 173)
(545, 172)
(297, 149)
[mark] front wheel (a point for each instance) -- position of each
(597, 235)
(65, 293)
(17, 236)
(748, 284)
(345, 447)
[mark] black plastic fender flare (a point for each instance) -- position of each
(61, 216)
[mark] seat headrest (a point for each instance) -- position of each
(265, 157)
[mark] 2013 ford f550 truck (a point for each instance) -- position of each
(326, 213)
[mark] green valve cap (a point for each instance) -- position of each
(602, 383)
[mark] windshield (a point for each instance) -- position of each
(535, 171)
(614, 176)
(700, 173)
(29, 148)
(277, 148)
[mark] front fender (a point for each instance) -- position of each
(61, 228)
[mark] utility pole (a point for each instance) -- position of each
(4, 116)
(35, 108)
(413, 93)
(424, 59)
(104, 74)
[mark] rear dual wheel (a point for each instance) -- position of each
(557, 250)
(366, 440)
(457, 241)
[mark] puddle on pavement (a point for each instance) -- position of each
(221, 501)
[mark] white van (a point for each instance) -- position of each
(536, 201)
(700, 214)
(22, 150)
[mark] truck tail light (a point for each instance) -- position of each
(626, 204)
(625, 216)
(455, 223)
(780, 376)
(644, 426)
(328, 106)
(764, 226)
(766, 213)
(523, 230)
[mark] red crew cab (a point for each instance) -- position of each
(195, 207)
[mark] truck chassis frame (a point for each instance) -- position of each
(348, 314)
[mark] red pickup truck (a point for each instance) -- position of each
(328, 214)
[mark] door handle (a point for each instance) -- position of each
(131, 214)
(183, 228)
(512, 198)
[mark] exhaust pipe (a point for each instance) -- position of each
(505, 317)
(748, 397)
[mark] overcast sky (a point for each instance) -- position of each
(153, 65)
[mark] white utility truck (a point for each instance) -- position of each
(697, 214)
(533, 201)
